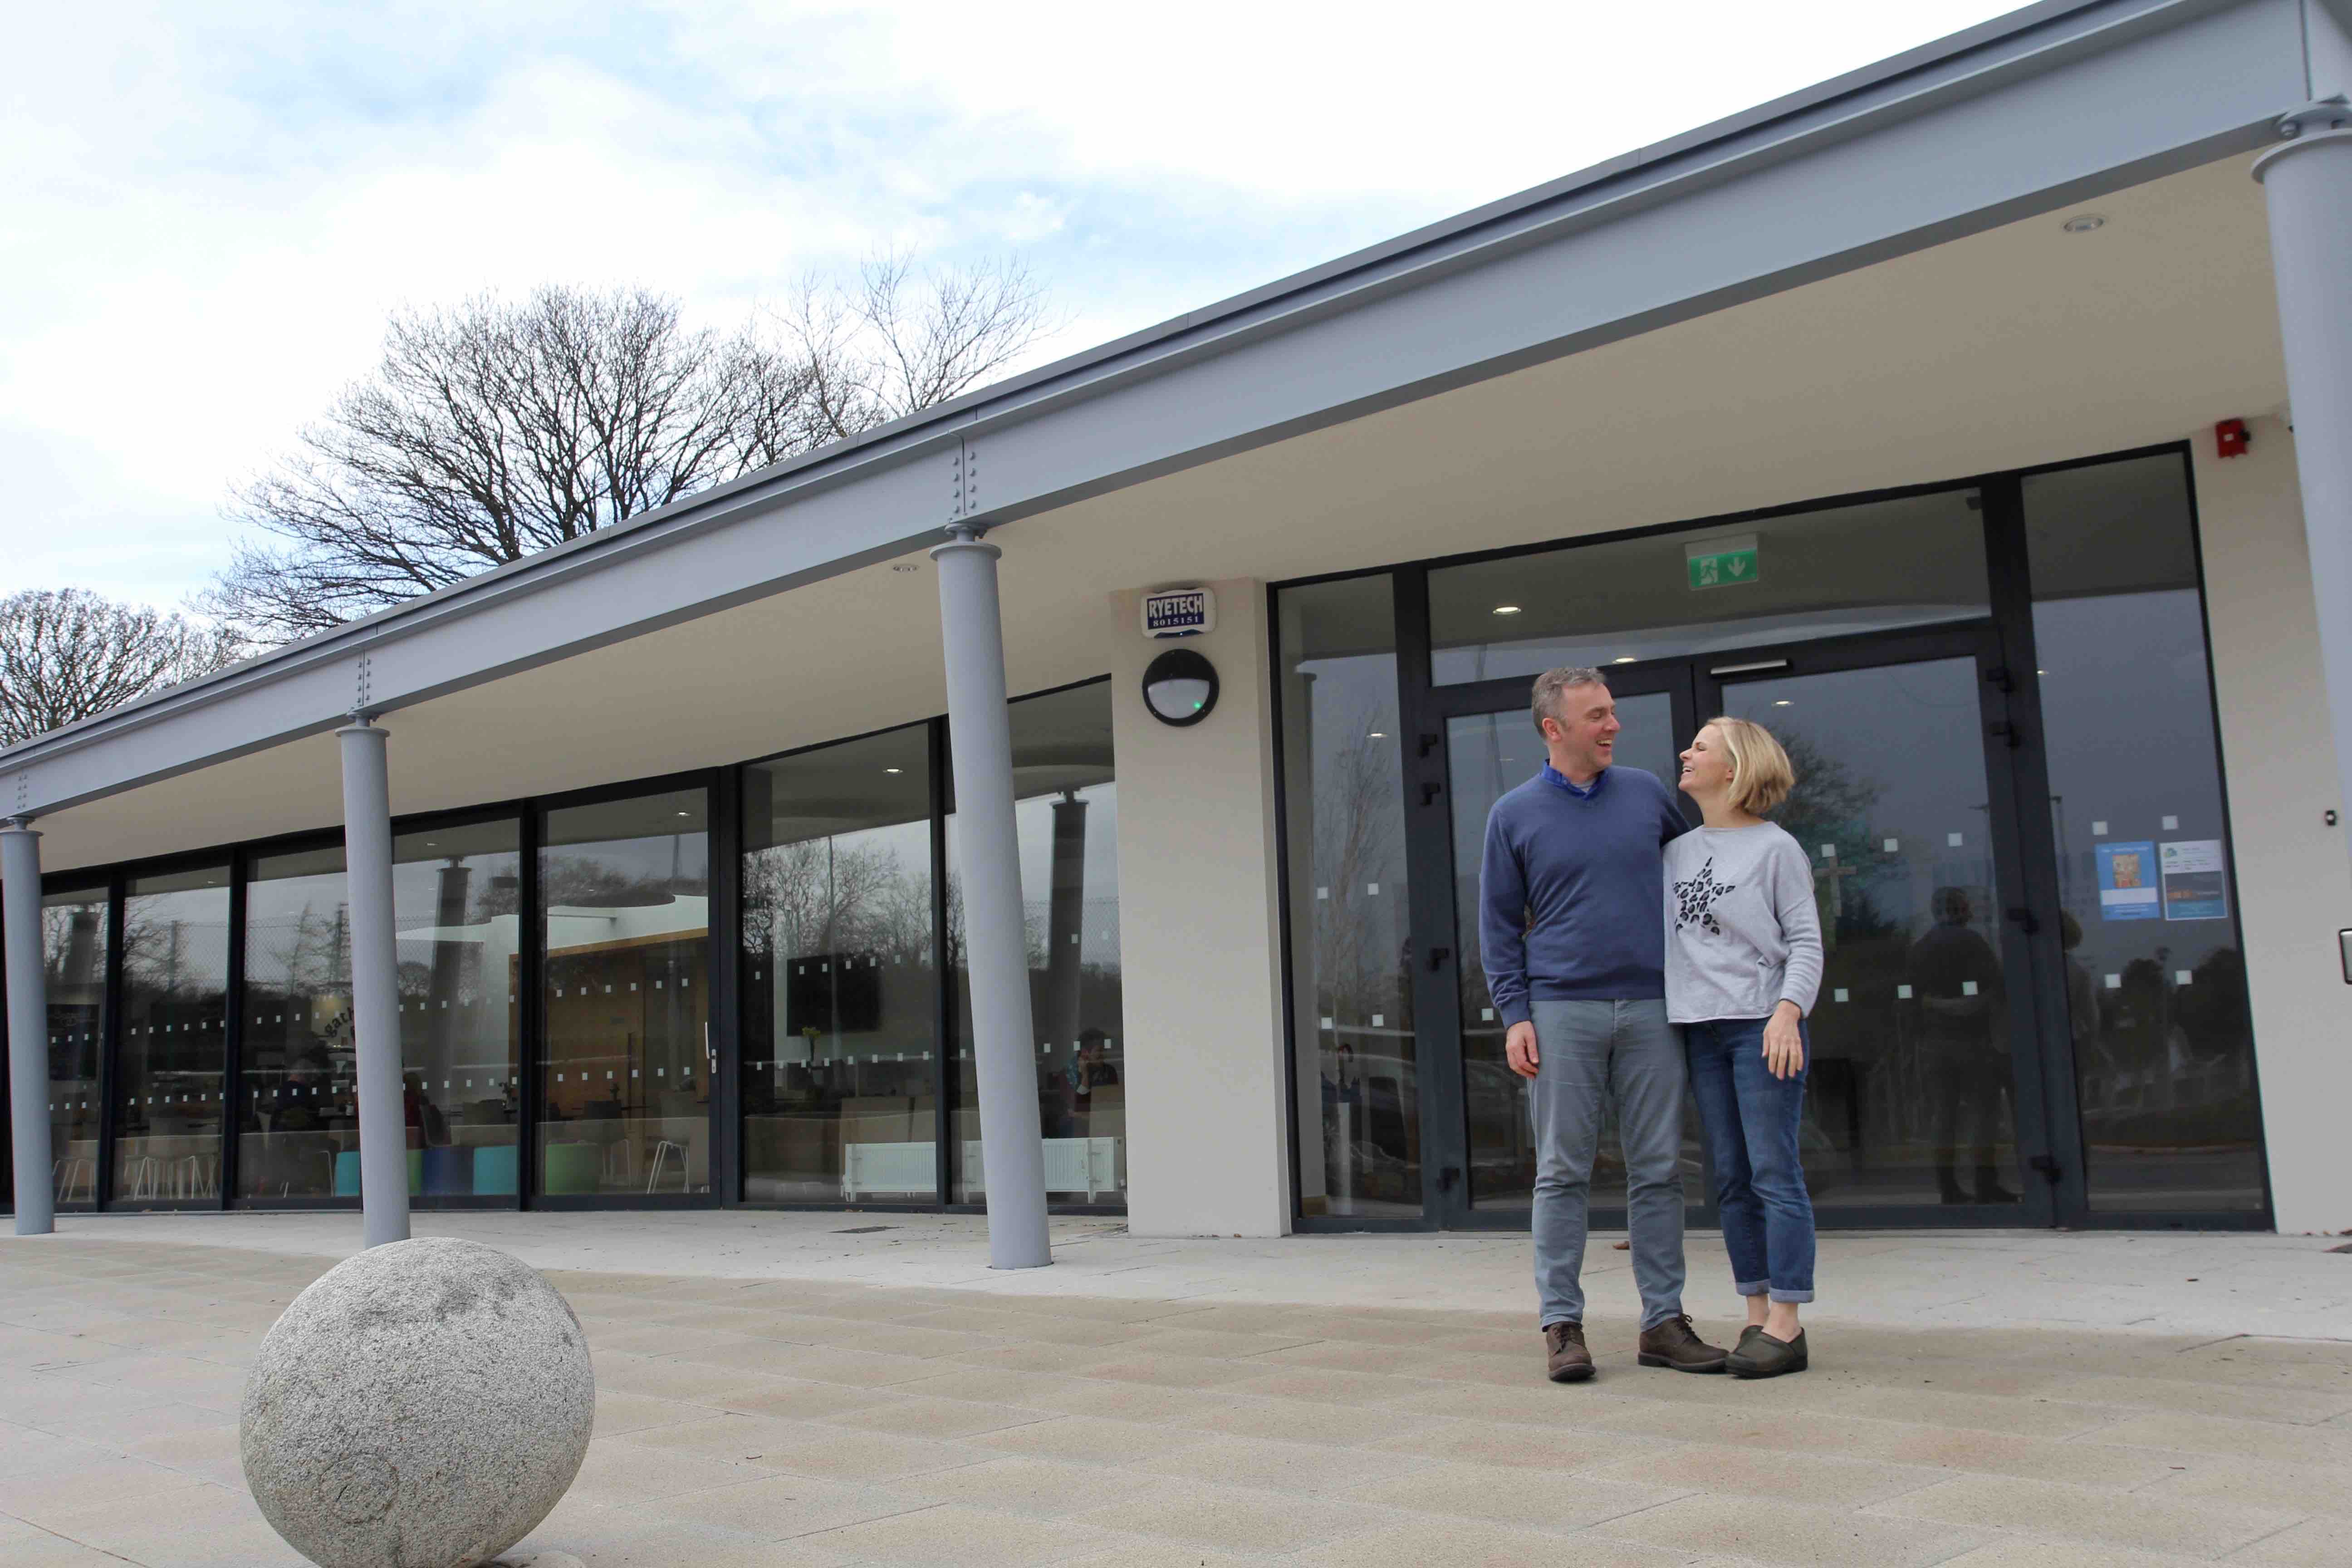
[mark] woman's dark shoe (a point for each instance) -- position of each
(1676, 1344)
(1761, 1356)
(1565, 1358)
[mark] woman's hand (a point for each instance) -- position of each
(1784, 1047)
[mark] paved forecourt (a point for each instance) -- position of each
(832, 1420)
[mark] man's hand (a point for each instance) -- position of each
(1519, 1049)
(1784, 1047)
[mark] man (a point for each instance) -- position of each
(1571, 921)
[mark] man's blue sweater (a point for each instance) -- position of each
(1571, 894)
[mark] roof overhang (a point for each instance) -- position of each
(2049, 107)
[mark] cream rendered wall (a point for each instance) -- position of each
(2295, 882)
(1199, 943)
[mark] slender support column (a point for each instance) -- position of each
(1004, 1044)
(2308, 183)
(29, 1026)
(376, 983)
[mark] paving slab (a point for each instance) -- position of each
(1304, 1402)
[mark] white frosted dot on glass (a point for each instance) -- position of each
(2172, 824)
(1373, 888)
(1486, 1014)
(2182, 977)
(2099, 830)
(1329, 1023)
(1839, 994)
(2114, 981)
(1952, 839)
(1322, 892)
(1377, 1019)
(1829, 851)
(1891, 846)
(1968, 987)
(1903, 993)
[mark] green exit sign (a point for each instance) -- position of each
(1721, 563)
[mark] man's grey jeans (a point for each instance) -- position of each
(1591, 1053)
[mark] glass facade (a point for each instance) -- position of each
(456, 903)
(77, 935)
(840, 983)
(1066, 811)
(1358, 1092)
(167, 1092)
(625, 923)
(569, 949)
(298, 1115)
(1945, 667)
(2162, 1031)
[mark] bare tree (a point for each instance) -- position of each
(491, 430)
(900, 342)
(68, 653)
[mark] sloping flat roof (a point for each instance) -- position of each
(2049, 104)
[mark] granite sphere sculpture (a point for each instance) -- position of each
(422, 1404)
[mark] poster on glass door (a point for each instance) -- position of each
(2194, 888)
(2128, 887)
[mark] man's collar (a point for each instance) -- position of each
(1552, 776)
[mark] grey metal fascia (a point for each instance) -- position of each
(2151, 98)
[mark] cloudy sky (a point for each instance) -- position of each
(211, 209)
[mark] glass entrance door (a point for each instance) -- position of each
(1922, 1083)
(1923, 1105)
(1491, 748)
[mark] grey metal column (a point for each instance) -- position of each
(1004, 1045)
(2308, 183)
(375, 983)
(29, 1026)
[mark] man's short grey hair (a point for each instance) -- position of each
(1552, 682)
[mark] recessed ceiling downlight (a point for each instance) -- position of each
(1506, 609)
(2084, 222)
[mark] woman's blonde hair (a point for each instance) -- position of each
(1760, 774)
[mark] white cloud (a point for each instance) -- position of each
(212, 210)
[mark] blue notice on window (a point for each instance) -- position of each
(2128, 882)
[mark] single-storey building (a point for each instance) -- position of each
(1981, 421)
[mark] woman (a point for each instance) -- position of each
(1743, 963)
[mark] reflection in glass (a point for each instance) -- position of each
(73, 953)
(1912, 561)
(625, 1081)
(456, 897)
(1910, 1096)
(297, 1119)
(1488, 754)
(840, 993)
(173, 1046)
(1065, 812)
(1358, 1093)
(2156, 982)
(454, 907)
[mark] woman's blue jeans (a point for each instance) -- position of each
(1751, 1121)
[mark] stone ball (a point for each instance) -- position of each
(424, 1404)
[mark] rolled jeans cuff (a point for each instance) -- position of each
(1780, 1295)
(1751, 1287)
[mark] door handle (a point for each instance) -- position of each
(1438, 955)
(1428, 793)
(2025, 920)
(2046, 1165)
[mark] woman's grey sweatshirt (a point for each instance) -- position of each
(1742, 930)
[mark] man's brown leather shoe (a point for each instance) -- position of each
(1565, 1358)
(1676, 1344)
